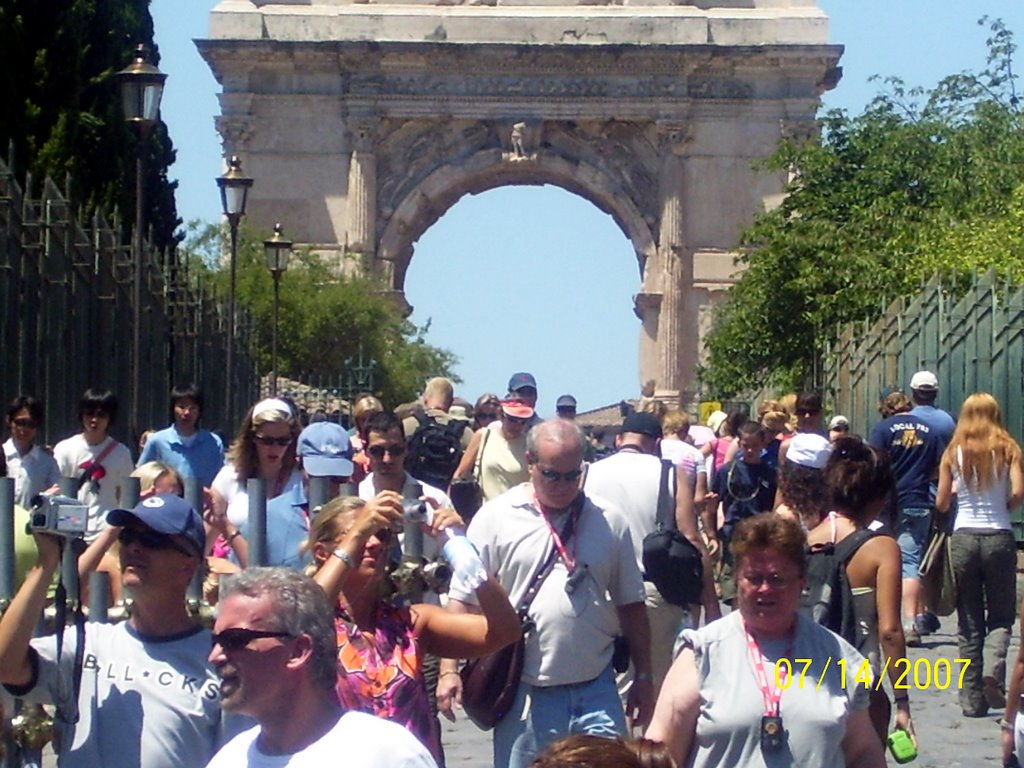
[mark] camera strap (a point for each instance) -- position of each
(90, 468)
(60, 607)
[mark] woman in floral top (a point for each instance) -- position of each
(381, 646)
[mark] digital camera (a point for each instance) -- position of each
(59, 516)
(414, 510)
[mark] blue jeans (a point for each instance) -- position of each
(540, 716)
(912, 529)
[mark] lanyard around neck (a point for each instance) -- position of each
(570, 528)
(770, 694)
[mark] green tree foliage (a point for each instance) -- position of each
(922, 182)
(62, 105)
(323, 319)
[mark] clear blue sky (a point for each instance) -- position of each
(535, 278)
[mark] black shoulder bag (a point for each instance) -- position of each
(671, 562)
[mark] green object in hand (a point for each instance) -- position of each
(901, 746)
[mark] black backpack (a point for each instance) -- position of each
(828, 598)
(435, 450)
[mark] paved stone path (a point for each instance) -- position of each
(946, 738)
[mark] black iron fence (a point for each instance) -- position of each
(66, 316)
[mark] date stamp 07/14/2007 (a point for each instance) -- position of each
(920, 674)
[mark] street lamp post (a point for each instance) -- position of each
(234, 191)
(142, 86)
(277, 251)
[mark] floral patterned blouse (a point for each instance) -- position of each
(382, 675)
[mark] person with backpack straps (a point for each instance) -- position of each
(858, 480)
(436, 440)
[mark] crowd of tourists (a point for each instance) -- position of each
(643, 596)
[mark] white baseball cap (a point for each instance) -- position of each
(925, 380)
(809, 450)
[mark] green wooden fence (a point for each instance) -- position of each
(972, 339)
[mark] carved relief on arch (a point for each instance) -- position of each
(627, 152)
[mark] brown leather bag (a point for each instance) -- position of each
(490, 683)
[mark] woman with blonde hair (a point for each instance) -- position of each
(982, 465)
(264, 448)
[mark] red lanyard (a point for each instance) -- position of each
(769, 693)
(568, 559)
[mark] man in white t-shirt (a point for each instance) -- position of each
(101, 464)
(275, 650)
(631, 480)
(140, 692)
(592, 592)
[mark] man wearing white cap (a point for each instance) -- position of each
(924, 389)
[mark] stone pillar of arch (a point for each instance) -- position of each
(363, 123)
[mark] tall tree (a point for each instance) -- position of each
(62, 109)
(324, 319)
(879, 204)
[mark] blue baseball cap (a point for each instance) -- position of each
(326, 450)
(165, 513)
(521, 380)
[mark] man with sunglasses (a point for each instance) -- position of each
(99, 462)
(33, 469)
(136, 693)
(591, 590)
(631, 480)
(275, 649)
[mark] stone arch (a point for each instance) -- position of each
(657, 116)
(439, 190)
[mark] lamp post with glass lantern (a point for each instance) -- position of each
(277, 251)
(234, 191)
(142, 86)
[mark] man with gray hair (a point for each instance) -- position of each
(274, 649)
(590, 588)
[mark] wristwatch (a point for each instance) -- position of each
(345, 557)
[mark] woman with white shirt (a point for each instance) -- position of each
(983, 465)
(264, 448)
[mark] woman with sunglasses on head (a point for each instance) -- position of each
(496, 455)
(765, 685)
(381, 647)
(264, 448)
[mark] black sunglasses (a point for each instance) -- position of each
(24, 423)
(236, 638)
(268, 440)
(486, 416)
(150, 540)
(97, 413)
(570, 477)
(378, 451)
(515, 419)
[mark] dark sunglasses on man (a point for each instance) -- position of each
(378, 451)
(236, 638)
(151, 539)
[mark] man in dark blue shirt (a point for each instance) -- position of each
(914, 449)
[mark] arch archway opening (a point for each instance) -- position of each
(531, 278)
